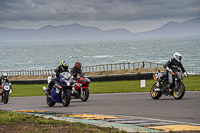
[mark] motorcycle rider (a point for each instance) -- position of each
(173, 64)
(74, 73)
(63, 67)
(76, 70)
(4, 79)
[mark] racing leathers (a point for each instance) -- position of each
(74, 72)
(55, 76)
(173, 65)
(2, 80)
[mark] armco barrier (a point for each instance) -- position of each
(120, 77)
(42, 81)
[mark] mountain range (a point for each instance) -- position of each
(78, 32)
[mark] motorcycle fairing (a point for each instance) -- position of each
(55, 97)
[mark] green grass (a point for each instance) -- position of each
(38, 124)
(191, 84)
(22, 90)
(9, 117)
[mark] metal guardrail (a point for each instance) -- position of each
(121, 66)
(102, 67)
(193, 70)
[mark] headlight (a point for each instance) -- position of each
(68, 84)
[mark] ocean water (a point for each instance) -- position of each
(47, 55)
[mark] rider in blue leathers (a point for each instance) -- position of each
(63, 67)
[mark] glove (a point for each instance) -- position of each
(54, 76)
(185, 74)
(168, 69)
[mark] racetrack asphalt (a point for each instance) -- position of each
(139, 108)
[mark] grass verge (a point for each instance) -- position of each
(17, 123)
(191, 84)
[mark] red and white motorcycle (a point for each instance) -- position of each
(5, 91)
(80, 88)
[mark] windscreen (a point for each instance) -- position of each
(65, 75)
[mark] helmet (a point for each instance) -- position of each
(177, 56)
(78, 65)
(64, 64)
(4, 75)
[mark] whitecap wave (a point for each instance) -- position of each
(133, 48)
(163, 60)
(103, 56)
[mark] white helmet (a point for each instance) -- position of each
(177, 56)
(4, 75)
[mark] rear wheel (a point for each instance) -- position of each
(85, 95)
(179, 93)
(155, 94)
(5, 97)
(49, 101)
(66, 97)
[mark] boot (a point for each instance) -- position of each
(169, 87)
(46, 90)
(157, 86)
(74, 91)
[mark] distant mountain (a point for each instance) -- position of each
(77, 31)
(63, 32)
(190, 27)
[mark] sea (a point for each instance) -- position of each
(42, 55)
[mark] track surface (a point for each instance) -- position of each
(128, 104)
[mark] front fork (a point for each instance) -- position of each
(1, 94)
(81, 90)
(176, 83)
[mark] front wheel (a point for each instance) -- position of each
(155, 94)
(85, 95)
(5, 97)
(179, 93)
(66, 97)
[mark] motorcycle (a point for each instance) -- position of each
(80, 88)
(61, 90)
(5, 91)
(177, 89)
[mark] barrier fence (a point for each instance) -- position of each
(121, 66)
(102, 67)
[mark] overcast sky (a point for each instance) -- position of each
(133, 15)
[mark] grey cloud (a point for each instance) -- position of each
(97, 10)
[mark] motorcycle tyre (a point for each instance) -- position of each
(66, 97)
(86, 96)
(49, 101)
(155, 95)
(182, 87)
(5, 97)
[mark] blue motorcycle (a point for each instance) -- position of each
(61, 91)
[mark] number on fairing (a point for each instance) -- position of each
(6, 88)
